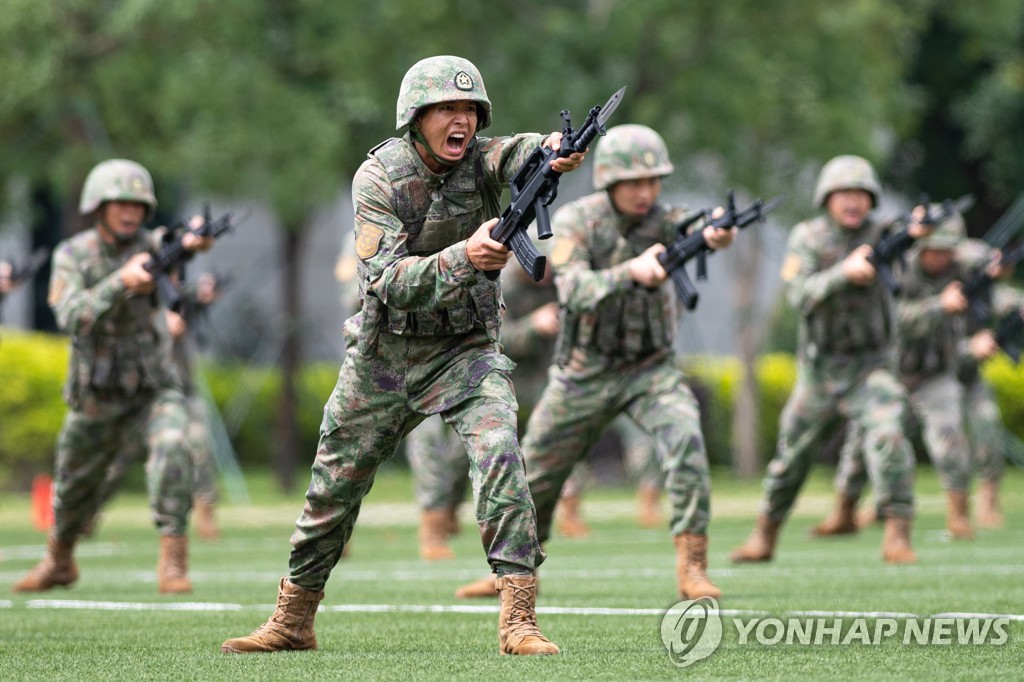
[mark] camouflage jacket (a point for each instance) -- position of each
(118, 339)
(608, 319)
(531, 351)
(928, 338)
(411, 227)
(839, 321)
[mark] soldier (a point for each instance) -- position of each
(930, 330)
(424, 342)
(845, 356)
(614, 352)
(122, 390)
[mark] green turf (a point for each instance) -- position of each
(619, 567)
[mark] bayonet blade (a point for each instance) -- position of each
(609, 107)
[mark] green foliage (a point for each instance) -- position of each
(32, 367)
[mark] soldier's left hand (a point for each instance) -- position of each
(983, 345)
(718, 237)
(191, 241)
(176, 324)
(568, 163)
(917, 227)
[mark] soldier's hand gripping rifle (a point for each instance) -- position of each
(173, 253)
(978, 286)
(892, 245)
(687, 247)
(535, 186)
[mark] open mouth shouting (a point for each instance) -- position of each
(447, 129)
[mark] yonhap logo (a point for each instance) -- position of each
(691, 631)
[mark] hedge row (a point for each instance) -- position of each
(32, 369)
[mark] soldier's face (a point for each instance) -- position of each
(448, 128)
(936, 261)
(122, 218)
(849, 207)
(634, 198)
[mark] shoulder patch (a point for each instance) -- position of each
(790, 267)
(562, 251)
(368, 240)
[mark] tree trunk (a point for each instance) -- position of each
(746, 408)
(286, 455)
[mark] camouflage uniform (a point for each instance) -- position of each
(123, 393)
(928, 346)
(204, 471)
(614, 354)
(424, 342)
(845, 366)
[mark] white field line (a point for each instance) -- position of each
(80, 604)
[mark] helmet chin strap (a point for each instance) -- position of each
(414, 133)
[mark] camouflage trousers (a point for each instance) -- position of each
(937, 405)
(640, 459)
(149, 426)
(571, 414)
(204, 471)
(873, 400)
(985, 429)
(440, 468)
(384, 390)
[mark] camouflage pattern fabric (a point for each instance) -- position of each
(440, 468)
(592, 243)
(985, 429)
(424, 342)
(122, 390)
(844, 370)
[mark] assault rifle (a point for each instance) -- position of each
(687, 247)
(19, 274)
(535, 186)
(891, 246)
(978, 286)
(174, 253)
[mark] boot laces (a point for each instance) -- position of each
(522, 619)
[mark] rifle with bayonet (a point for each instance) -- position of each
(173, 253)
(19, 274)
(977, 287)
(535, 186)
(892, 245)
(689, 246)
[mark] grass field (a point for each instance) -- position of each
(388, 615)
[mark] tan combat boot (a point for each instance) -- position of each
(691, 567)
(518, 633)
(842, 520)
(58, 567)
(649, 514)
(453, 526)
(206, 524)
(485, 587)
(868, 517)
(434, 535)
(989, 515)
(958, 522)
(896, 541)
(760, 546)
(172, 566)
(568, 519)
(289, 629)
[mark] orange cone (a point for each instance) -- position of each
(42, 502)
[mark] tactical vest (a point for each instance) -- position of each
(122, 353)
(853, 320)
(631, 324)
(433, 219)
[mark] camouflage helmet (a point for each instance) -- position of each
(117, 180)
(846, 172)
(441, 79)
(947, 235)
(629, 152)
